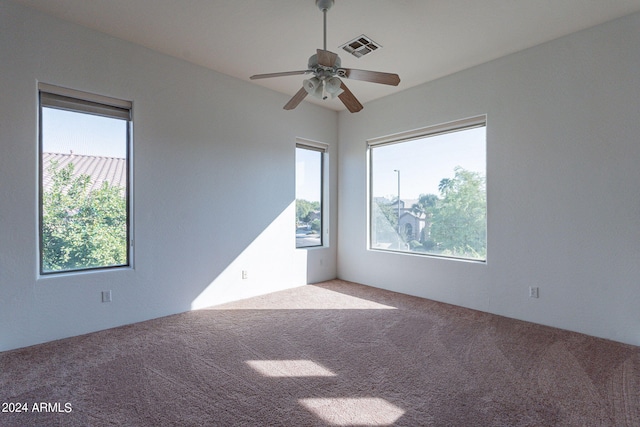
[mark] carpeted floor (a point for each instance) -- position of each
(336, 353)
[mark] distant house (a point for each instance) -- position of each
(411, 226)
(405, 204)
(393, 203)
(101, 169)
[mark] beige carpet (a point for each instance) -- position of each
(335, 353)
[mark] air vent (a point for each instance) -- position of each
(360, 46)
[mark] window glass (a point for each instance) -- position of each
(84, 196)
(309, 206)
(428, 194)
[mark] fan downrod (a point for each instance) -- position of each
(324, 6)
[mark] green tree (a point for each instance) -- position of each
(425, 205)
(304, 208)
(459, 222)
(82, 228)
(425, 208)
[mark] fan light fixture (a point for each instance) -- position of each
(311, 84)
(333, 86)
(314, 87)
(323, 88)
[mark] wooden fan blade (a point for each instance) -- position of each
(297, 99)
(349, 100)
(326, 58)
(370, 76)
(286, 73)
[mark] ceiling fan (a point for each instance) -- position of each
(327, 72)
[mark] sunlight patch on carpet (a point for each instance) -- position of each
(290, 368)
(307, 297)
(371, 411)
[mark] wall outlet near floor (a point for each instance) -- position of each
(106, 296)
(245, 274)
(533, 292)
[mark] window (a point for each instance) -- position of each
(84, 181)
(309, 193)
(427, 191)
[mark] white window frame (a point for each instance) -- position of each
(400, 137)
(52, 96)
(324, 199)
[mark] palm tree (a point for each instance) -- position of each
(425, 205)
(424, 209)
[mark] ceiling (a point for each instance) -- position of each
(421, 40)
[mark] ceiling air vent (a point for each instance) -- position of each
(360, 46)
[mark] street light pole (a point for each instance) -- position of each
(398, 171)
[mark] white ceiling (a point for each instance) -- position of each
(422, 39)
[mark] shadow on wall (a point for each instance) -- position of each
(268, 263)
(271, 259)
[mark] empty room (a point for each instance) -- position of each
(319, 212)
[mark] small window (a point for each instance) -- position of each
(310, 159)
(85, 199)
(428, 191)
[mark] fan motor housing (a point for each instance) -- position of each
(322, 71)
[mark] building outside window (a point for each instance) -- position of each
(85, 198)
(428, 191)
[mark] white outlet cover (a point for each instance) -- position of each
(106, 296)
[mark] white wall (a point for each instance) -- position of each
(563, 154)
(214, 183)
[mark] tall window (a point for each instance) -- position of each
(428, 191)
(309, 194)
(84, 181)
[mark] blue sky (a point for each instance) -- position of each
(424, 162)
(308, 175)
(87, 134)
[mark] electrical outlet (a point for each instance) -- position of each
(106, 296)
(245, 274)
(533, 292)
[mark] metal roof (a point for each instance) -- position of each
(100, 169)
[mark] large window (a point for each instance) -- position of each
(84, 181)
(428, 191)
(309, 194)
